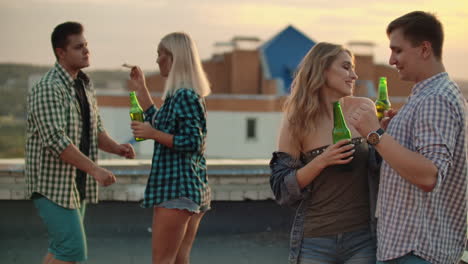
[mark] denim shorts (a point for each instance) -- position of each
(355, 247)
(65, 230)
(184, 203)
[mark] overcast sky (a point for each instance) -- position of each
(129, 30)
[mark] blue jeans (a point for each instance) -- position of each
(406, 259)
(356, 247)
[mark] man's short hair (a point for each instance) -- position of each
(61, 32)
(419, 26)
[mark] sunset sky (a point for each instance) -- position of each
(129, 30)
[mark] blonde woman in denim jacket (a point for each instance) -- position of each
(333, 186)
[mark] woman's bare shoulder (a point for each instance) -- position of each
(286, 141)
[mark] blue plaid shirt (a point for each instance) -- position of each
(179, 171)
(431, 225)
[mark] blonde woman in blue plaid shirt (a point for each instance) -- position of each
(177, 187)
(422, 201)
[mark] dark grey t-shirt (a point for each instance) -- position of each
(339, 199)
(79, 86)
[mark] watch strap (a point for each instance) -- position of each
(380, 131)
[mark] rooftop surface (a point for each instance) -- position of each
(118, 232)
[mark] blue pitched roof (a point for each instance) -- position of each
(282, 54)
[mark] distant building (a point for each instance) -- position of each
(464, 87)
(249, 85)
(281, 55)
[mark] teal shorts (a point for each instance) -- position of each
(67, 238)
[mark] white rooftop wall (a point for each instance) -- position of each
(227, 133)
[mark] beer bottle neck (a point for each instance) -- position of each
(134, 100)
(383, 94)
(338, 118)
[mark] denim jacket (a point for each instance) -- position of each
(287, 192)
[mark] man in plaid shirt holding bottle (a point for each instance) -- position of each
(64, 132)
(422, 201)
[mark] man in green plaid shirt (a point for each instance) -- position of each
(64, 132)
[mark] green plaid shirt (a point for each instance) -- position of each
(179, 171)
(54, 122)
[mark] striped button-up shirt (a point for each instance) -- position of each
(179, 171)
(54, 122)
(431, 225)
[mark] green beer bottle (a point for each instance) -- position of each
(136, 112)
(340, 130)
(382, 103)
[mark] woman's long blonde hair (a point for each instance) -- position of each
(306, 103)
(186, 70)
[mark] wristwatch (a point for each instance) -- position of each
(373, 138)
